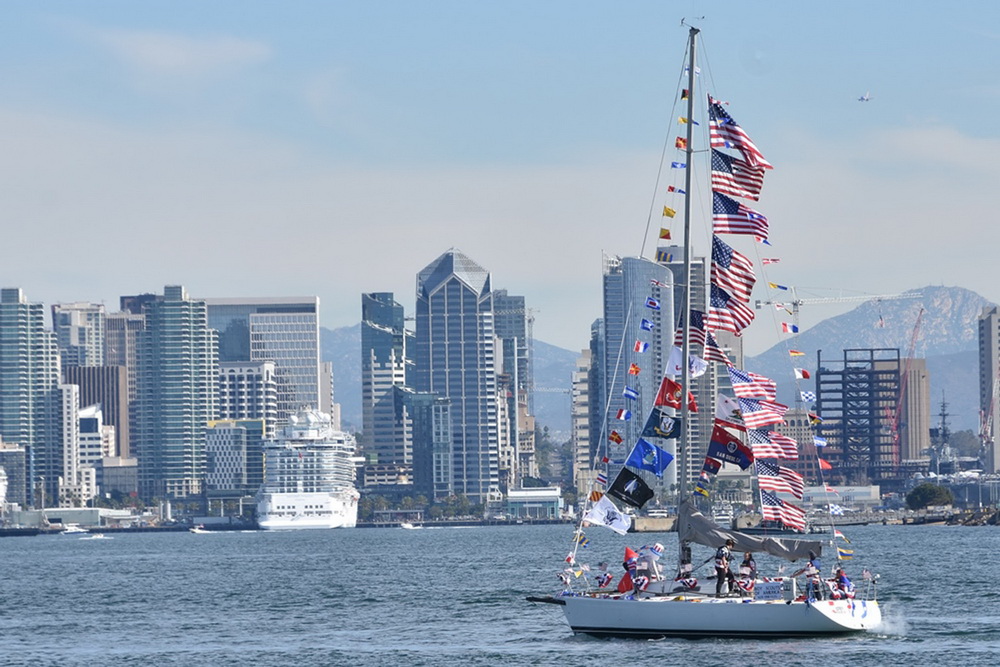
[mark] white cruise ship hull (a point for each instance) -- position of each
(299, 511)
(700, 616)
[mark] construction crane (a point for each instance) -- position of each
(896, 413)
(795, 301)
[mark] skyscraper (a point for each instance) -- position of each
(30, 399)
(386, 439)
(106, 386)
(284, 330)
(455, 357)
(176, 383)
(635, 289)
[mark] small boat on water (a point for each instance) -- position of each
(97, 536)
(199, 529)
(73, 529)
(652, 603)
(409, 526)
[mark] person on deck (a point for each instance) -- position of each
(812, 572)
(843, 586)
(723, 575)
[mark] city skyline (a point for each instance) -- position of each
(530, 147)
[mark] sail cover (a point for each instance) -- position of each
(693, 526)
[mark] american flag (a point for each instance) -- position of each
(751, 385)
(726, 313)
(758, 413)
(734, 177)
(725, 133)
(774, 508)
(699, 335)
(732, 271)
(772, 477)
(772, 445)
(731, 217)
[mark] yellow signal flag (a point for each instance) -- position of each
(595, 496)
(664, 233)
(668, 213)
(682, 120)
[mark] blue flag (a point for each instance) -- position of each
(647, 456)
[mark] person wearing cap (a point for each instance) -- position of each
(723, 576)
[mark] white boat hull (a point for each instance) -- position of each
(700, 616)
(303, 511)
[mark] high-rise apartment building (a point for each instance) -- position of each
(284, 330)
(177, 368)
(29, 393)
(989, 387)
(583, 455)
(248, 390)
(456, 358)
(79, 329)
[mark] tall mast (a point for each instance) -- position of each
(686, 291)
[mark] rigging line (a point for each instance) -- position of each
(663, 159)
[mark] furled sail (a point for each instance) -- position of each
(693, 526)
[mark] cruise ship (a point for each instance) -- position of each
(308, 477)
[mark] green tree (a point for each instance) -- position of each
(928, 494)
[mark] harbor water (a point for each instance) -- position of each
(440, 596)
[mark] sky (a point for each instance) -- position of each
(333, 148)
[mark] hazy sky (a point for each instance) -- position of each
(259, 148)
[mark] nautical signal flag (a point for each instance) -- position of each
(652, 304)
(668, 213)
(595, 496)
(844, 554)
(824, 464)
(789, 328)
(672, 188)
(614, 436)
(837, 533)
(678, 165)
(808, 396)
(670, 395)
(647, 456)
(640, 346)
(602, 479)
(624, 415)
(664, 256)
(777, 286)
(656, 283)
(801, 374)
(582, 540)
(815, 419)
(796, 353)
(680, 142)
(630, 393)
(684, 93)
(769, 260)
(664, 232)
(634, 369)
(818, 441)
(647, 325)
(683, 121)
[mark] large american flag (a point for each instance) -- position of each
(732, 271)
(772, 477)
(758, 413)
(726, 313)
(725, 133)
(751, 385)
(732, 176)
(774, 508)
(731, 217)
(769, 444)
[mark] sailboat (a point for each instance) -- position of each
(651, 605)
